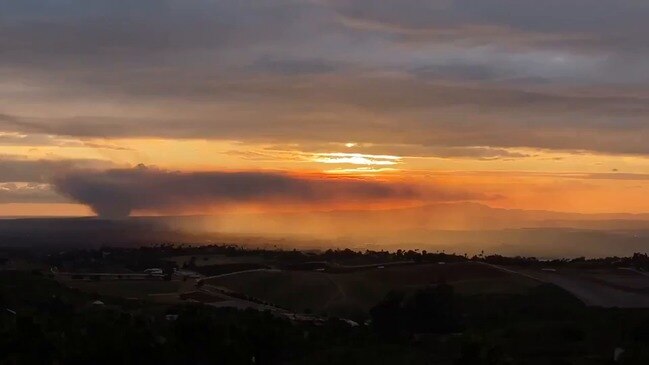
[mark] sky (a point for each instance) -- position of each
(170, 107)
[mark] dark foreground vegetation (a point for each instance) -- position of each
(43, 321)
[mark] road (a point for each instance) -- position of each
(591, 293)
(238, 273)
(236, 302)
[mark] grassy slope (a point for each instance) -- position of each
(349, 293)
(204, 260)
(125, 288)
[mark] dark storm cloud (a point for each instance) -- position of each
(116, 193)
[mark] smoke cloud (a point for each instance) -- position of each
(116, 193)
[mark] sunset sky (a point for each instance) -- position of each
(153, 107)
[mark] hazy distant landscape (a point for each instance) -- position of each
(453, 228)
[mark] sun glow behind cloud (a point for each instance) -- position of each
(369, 171)
(356, 159)
(361, 164)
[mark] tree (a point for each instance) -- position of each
(387, 316)
(433, 310)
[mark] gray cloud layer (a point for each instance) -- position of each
(29, 193)
(599, 22)
(14, 169)
(569, 74)
(404, 111)
(116, 193)
(28, 181)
